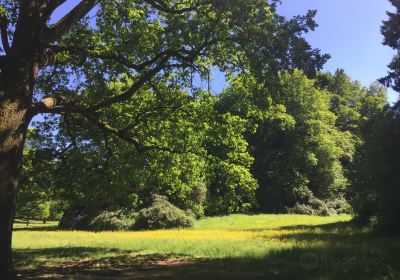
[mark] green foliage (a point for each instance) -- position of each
(231, 186)
(232, 190)
(351, 102)
(341, 206)
(297, 147)
(196, 199)
(178, 136)
(281, 135)
(197, 141)
(161, 214)
(375, 179)
(113, 220)
(37, 199)
(302, 209)
(76, 218)
(390, 32)
(84, 218)
(314, 207)
(302, 134)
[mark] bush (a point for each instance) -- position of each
(113, 220)
(341, 206)
(82, 218)
(322, 208)
(317, 204)
(303, 194)
(302, 209)
(327, 211)
(196, 199)
(314, 207)
(77, 218)
(161, 215)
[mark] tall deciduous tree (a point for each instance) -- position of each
(375, 178)
(65, 67)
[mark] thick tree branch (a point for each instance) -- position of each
(113, 56)
(106, 127)
(56, 105)
(136, 86)
(61, 105)
(124, 135)
(51, 7)
(187, 56)
(65, 24)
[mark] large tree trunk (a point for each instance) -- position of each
(16, 88)
(14, 121)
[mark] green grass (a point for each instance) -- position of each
(230, 247)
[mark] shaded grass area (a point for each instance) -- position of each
(35, 225)
(334, 250)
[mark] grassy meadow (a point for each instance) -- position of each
(230, 247)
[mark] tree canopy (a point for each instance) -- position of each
(390, 31)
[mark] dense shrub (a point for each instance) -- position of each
(326, 210)
(196, 199)
(302, 193)
(162, 214)
(341, 206)
(317, 204)
(113, 220)
(77, 218)
(314, 207)
(302, 209)
(82, 218)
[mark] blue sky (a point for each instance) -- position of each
(349, 30)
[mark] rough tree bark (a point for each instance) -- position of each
(13, 127)
(18, 69)
(14, 121)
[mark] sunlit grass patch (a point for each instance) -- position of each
(265, 243)
(236, 235)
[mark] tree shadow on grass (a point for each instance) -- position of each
(313, 263)
(82, 263)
